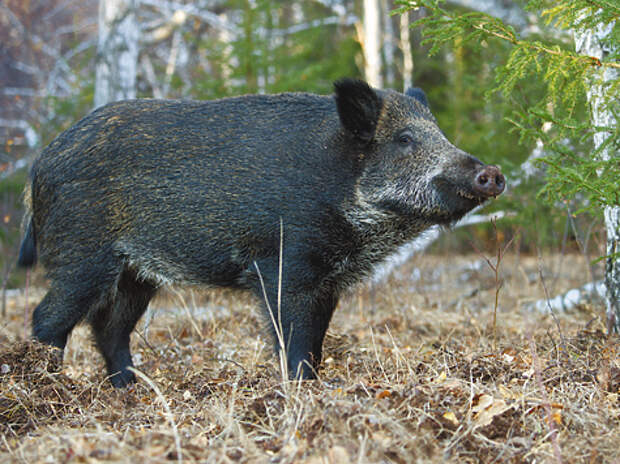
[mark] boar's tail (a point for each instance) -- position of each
(28, 250)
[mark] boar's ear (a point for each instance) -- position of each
(418, 94)
(358, 107)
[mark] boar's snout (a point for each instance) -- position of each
(464, 184)
(489, 182)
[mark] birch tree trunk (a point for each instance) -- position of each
(388, 43)
(592, 42)
(117, 51)
(405, 46)
(371, 43)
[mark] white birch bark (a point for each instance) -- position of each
(371, 43)
(117, 51)
(591, 42)
(422, 242)
(388, 43)
(405, 47)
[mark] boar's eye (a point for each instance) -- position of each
(406, 139)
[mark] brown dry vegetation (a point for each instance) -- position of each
(412, 373)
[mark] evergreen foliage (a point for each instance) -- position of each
(268, 58)
(574, 171)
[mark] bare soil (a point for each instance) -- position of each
(414, 370)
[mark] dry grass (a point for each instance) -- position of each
(409, 375)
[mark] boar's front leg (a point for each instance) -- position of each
(302, 317)
(304, 322)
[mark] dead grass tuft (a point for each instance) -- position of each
(32, 390)
(414, 371)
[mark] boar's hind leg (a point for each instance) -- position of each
(73, 293)
(114, 322)
(55, 317)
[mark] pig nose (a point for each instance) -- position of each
(489, 182)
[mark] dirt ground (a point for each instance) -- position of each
(415, 370)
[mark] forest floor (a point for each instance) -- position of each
(414, 370)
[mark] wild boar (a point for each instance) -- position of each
(143, 193)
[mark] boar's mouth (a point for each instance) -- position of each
(468, 196)
(455, 200)
(457, 197)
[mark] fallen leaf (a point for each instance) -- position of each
(441, 378)
(451, 417)
(508, 394)
(481, 402)
(487, 408)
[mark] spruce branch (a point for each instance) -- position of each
(443, 26)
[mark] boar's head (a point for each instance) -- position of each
(409, 166)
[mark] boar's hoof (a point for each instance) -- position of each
(489, 182)
(122, 378)
(303, 370)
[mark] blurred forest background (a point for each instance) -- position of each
(50, 51)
